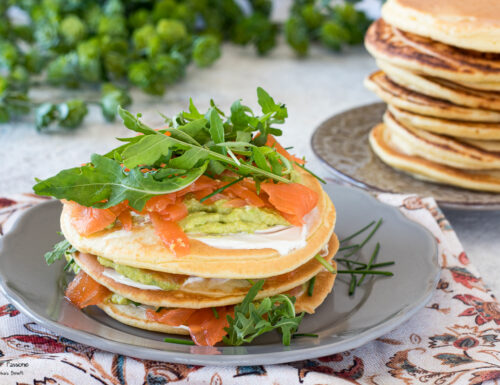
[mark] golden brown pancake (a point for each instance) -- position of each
(486, 145)
(142, 248)
(382, 145)
(455, 128)
(403, 98)
(229, 292)
(441, 89)
(136, 316)
(437, 148)
(484, 86)
(423, 55)
(467, 24)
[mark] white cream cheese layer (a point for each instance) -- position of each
(282, 239)
(117, 277)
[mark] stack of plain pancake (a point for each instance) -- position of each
(440, 76)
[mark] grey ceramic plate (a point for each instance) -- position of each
(341, 142)
(342, 322)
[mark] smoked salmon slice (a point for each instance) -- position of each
(293, 200)
(175, 212)
(84, 291)
(240, 191)
(172, 317)
(204, 327)
(171, 234)
(126, 219)
(88, 220)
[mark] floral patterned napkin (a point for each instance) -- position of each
(453, 340)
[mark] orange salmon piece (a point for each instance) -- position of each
(175, 212)
(160, 202)
(126, 219)
(204, 328)
(246, 194)
(84, 291)
(89, 220)
(171, 234)
(235, 202)
(172, 317)
(294, 200)
(119, 208)
(202, 183)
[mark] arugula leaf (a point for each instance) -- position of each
(269, 106)
(104, 183)
(216, 126)
(58, 252)
(133, 123)
(142, 166)
(251, 319)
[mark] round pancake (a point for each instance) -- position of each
(205, 297)
(380, 141)
(467, 24)
(441, 89)
(403, 98)
(142, 248)
(455, 128)
(486, 145)
(430, 57)
(439, 149)
(136, 316)
(485, 86)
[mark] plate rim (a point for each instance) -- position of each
(355, 182)
(274, 357)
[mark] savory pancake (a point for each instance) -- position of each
(136, 315)
(140, 247)
(423, 55)
(440, 149)
(472, 25)
(196, 293)
(403, 98)
(382, 144)
(455, 128)
(441, 89)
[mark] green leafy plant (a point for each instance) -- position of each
(253, 318)
(60, 250)
(167, 160)
(146, 44)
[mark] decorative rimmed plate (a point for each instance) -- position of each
(341, 142)
(342, 322)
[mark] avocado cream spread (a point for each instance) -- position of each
(207, 219)
(139, 275)
(119, 300)
(220, 219)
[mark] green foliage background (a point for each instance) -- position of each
(118, 44)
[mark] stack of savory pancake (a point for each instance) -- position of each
(127, 270)
(440, 76)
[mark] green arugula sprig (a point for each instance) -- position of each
(59, 251)
(251, 319)
(168, 160)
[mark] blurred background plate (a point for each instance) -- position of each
(342, 322)
(341, 142)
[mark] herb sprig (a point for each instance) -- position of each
(168, 160)
(362, 269)
(251, 319)
(59, 251)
